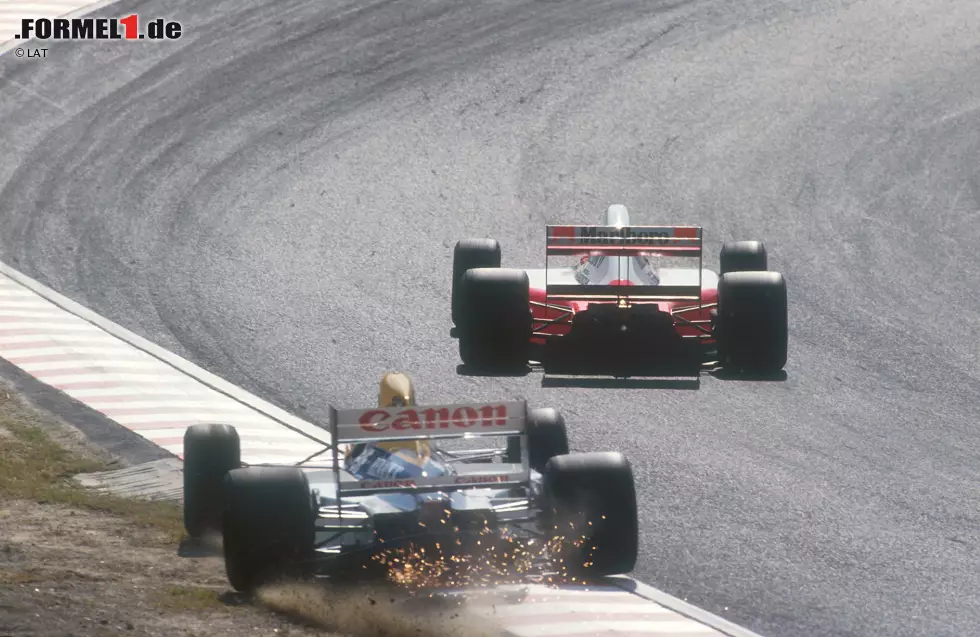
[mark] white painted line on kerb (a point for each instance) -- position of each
(121, 393)
(112, 406)
(175, 416)
(28, 303)
(34, 327)
(67, 350)
(31, 340)
(637, 607)
(21, 313)
(258, 434)
(633, 628)
(133, 365)
(83, 375)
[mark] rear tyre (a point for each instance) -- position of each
(495, 329)
(752, 325)
(210, 452)
(744, 256)
(591, 503)
(469, 254)
(268, 526)
(547, 437)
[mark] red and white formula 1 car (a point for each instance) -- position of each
(622, 307)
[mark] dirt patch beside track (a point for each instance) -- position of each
(78, 562)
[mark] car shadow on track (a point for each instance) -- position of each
(507, 372)
(605, 382)
(774, 377)
(692, 383)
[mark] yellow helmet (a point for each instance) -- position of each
(397, 390)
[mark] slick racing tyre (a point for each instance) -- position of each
(547, 437)
(210, 452)
(268, 526)
(744, 256)
(590, 499)
(469, 254)
(495, 330)
(751, 327)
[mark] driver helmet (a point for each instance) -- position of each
(397, 390)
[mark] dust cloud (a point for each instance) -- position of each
(374, 611)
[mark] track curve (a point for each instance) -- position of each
(276, 197)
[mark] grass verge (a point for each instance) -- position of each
(36, 467)
(101, 564)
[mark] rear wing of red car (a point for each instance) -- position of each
(432, 422)
(627, 241)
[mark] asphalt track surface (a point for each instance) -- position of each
(276, 197)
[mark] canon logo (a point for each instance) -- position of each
(480, 479)
(436, 418)
(385, 484)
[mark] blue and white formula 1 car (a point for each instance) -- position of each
(392, 484)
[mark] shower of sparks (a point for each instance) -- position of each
(493, 559)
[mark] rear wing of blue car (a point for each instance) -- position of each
(626, 241)
(431, 422)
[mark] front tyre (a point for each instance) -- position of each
(467, 255)
(744, 256)
(210, 452)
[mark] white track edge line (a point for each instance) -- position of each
(691, 611)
